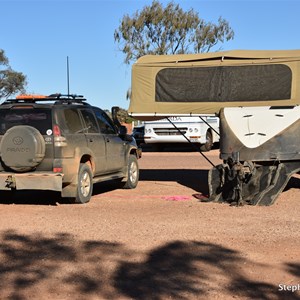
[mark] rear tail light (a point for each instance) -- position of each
(59, 140)
(56, 130)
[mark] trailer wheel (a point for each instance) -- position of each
(209, 142)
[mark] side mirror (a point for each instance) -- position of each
(114, 113)
(123, 134)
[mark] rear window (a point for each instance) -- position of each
(38, 118)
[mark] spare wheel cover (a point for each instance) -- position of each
(22, 148)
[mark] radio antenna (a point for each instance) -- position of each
(68, 78)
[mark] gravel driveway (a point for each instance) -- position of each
(155, 242)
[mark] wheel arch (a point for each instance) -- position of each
(136, 151)
(84, 155)
(88, 159)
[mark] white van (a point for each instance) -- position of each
(203, 131)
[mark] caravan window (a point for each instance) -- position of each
(224, 84)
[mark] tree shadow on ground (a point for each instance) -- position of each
(194, 179)
(294, 268)
(181, 270)
(62, 267)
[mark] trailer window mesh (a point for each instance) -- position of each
(224, 84)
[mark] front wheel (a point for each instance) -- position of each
(209, 142)
(84, 188)
(132, 173)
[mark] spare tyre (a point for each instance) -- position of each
(22, 148)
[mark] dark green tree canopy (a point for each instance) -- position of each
(169, 30)
(11, 82)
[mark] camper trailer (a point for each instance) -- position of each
(256, 95)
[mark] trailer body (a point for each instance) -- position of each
(256, 95)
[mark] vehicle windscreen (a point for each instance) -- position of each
(39, 118)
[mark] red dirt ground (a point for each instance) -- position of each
(155, 242)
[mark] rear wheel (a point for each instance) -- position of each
(85, 184)
(132, 173)
(209, 142)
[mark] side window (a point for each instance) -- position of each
(105, 124)
(72, 121)
(90, 121)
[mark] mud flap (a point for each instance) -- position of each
(259, 186)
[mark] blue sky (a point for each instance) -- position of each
(37, 36)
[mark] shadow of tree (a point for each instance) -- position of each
(181, 270)
(173, 270)
(57, 265)
(62, 267)
(294, 268)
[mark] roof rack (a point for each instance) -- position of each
(58, 98)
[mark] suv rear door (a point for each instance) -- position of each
(34, 116)
(95, 141)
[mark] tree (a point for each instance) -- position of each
(11, 82)
(169, 30)
(123, 116)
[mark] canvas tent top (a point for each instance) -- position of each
(197, 84)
